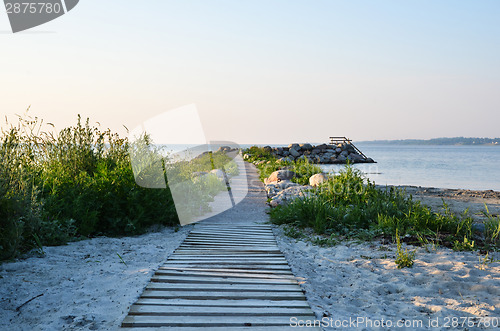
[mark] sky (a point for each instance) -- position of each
(264, 71)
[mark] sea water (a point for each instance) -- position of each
(464, 167)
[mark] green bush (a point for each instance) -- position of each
(349, 205)
(76, 183)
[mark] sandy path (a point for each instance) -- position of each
(85, 285)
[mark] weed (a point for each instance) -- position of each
(404, 258)
(465, 245)
(292, 232)
(121, 260)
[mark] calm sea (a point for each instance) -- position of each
(465, 167)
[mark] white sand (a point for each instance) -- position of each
(358, 280)
(85, 285)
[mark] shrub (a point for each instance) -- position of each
(79, 182)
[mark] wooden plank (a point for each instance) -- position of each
(213, 295)
(187, 256)
(231, 240)
(217, 235)
(232, 270)
(226, 265)
(208, 321)
(223, 328)
(222, 287)
(217, 311)
(276, 261)
(229, 244)
(198, 251)
(221, 280)
(194, 273)
(235, 233)
(223, 303)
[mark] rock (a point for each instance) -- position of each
(341, 157)
(316, 151)
(280, 175)
(317, 179)
(355, 157)
(294, 152)
(294, 146)
(224, 149)
(306, 147)
(338, 150)
(345, 154)
(290, 194)
(267, 149)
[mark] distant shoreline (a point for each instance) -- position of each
(457, 141)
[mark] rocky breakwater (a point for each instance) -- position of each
(280, 189)
(321, 154)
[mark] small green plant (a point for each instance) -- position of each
(121, 259)
(486, 261)
(38, 244)
(292, 232)
(466, 245)
(324, 242)
(404, 258)
(491, 229)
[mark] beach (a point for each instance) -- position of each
(85, 285)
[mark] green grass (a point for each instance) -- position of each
(77, 183)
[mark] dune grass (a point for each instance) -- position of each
(77, 183)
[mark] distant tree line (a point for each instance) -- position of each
(438, 141)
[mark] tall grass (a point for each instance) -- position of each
(349, 205)
(78, 182)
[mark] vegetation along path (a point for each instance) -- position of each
(227, 274)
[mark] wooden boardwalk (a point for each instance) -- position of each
(222, 277)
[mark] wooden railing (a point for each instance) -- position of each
(344, 140)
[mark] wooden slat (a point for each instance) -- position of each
(223, 303)
(207, 321)
(213, 295)
(221, 287)
(216, 311)
(221, 279)
(232, 270)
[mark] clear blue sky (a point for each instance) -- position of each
(265, 71)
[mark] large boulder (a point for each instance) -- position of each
(306, 146)
(279, 175)
(289, 194)
(294, 146)
(317, 179)
(294, 152)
